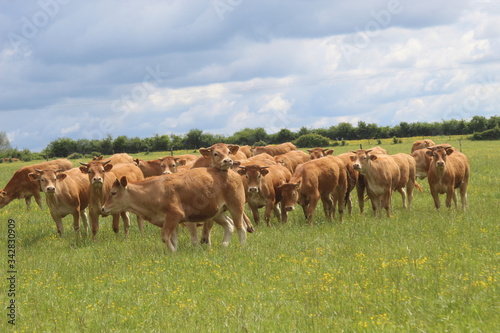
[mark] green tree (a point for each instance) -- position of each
(4, 142)
(120, 144)
(62, 147)
(311, 140)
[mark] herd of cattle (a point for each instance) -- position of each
(173, 190)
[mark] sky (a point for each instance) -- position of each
(88, 69)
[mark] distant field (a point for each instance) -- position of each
(420, 271)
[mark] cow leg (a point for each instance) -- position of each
(27, 200)
(386, 202)
(435, 196)
(76, 221)
(227, 224)
(342, 196)
(59, 224)
(206, 232)
(193, 231)
(248, 223)
(140, 224)
(270, 206)
(451, 195)
(402, 190)
(83, 217)
(94, 222)
(463, 195)
(309, 212)
(255, 213)
(360, 189)
(116, 223)
(284, 212)
(236, 211)
(409, 192)
(38, 199)
(169, 230)
(327, 206)
(126, 222)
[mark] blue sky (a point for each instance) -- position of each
(85, 69)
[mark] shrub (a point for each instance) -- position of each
(491, 134)
(75, 156)
(311, 140)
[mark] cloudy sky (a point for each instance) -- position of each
(85, 69)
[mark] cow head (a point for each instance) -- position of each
(47, 179)
(319, 152)
(4, 198)
(290, 194)
(220, 156)
(361, 159)
(169, 164)
(117, 199)
(438, 154)
(96, 171)
(253, 174)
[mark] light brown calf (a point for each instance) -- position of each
(66, 192)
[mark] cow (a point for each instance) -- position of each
(230, 151)
(407, 174)
(101, 178)
(149, 168)
(448, 170)
(196, 195)
(318, 152)
(421, 144)
(66, 192)
(172, 164)
(261, 186)
(247, 150)
(274, 150)
(115, 159)
(261, 159)
(423, 160)
(314, 180)
(381, 175)
(292, 159)
(20, 186)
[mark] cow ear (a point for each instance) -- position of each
(309, 150)
(83, 169)
(353, 158)
(242, 171)
(329, 152)
(429, 152)
(136, 161)
(180, 161)
(373, 157)
(34, 176)
(206, 152)
(123, 181)
(61, 176)
(2, 193)
(449, 151)
(233, 149)
(108, 167)
(264, 171)
(297, 184)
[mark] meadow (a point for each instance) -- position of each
(419, 271)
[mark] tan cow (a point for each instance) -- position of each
(172, 164)
(262, 190)
(21, 187)
(318, 152)
(247, 150)
(421, 144)
(423, 161)
(196, 195)
(448, 170)
(274, 150)
(66, 193)
(381, 175)
(149, 168)
(101, 180)
(115, 159)
(229, 151)
(261, 160)
(292, 159)
(314, 180)
(407, 174)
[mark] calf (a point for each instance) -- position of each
(173, 164)
(422, 144)
(224, 154)
(149, 168)
(101, 180)
(314, 180)
(448, 170)
(262, 190)
(65, 193)
(317, 152)
(381, 176)
(292, 159)
(21, 187)
(423, 161)
(196, 195)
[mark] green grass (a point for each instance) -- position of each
(419, 271)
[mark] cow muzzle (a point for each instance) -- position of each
(289, 208)
(253, 189)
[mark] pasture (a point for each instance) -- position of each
(419, 271)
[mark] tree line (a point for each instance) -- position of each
(479, 127)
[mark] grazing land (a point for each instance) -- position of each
(419, 271)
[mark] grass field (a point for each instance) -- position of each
(419, 271)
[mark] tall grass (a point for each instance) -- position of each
(420, 271)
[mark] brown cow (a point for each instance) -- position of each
(261, 159)
(407, 174)
(149, 168)
(261, 186)
(318, 152)
(314, 180)
(247, 150)
(448, 170)
(196, 195)
(421, 144)
(20, 186)
(101, 180)
(381, 176)
(423, 161)
(222, 149)
(115, 159)
(172, 164)
(274, 150)
(292, 159)
(65, 193)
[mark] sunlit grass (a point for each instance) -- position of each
(419, 271)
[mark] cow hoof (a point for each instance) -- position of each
(250, 230)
